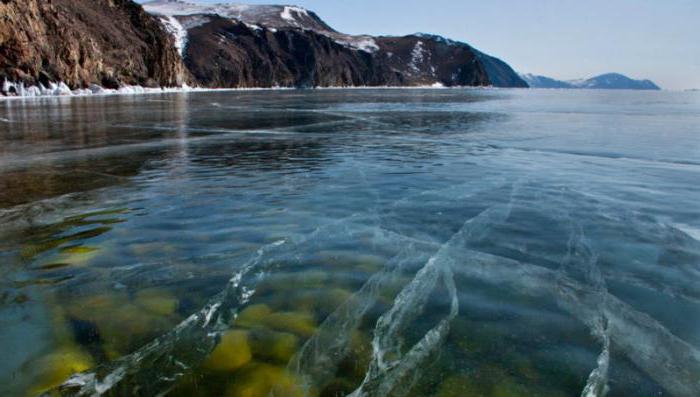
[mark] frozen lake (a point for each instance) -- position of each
(351, 242)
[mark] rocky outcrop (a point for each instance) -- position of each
(113, 43)
(83, 42)
(224, 52)
(267, 46)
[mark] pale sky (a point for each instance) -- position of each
(565, 39)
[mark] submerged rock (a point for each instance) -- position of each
(301, 324)
(55, 368)
(460, 386)
(252, 316)
(324, 301)
(261, 316)
(274, 346)
(232, 352)
(262, 380)
(122, 324)
(77, 255)
(157, 301)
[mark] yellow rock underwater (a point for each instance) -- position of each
(156, 301)
(261, 316)
(76, 256)
(252, 316)
(301, 324)
(124, 324)
(55, 368)
(274, 346)
(262, 380)
(232, 352)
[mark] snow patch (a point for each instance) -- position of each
(179, 33)
(362, 43)
(417, 57)
(288, 11)
(254, 27)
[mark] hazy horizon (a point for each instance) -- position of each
(566, 40)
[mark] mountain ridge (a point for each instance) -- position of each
(411, 60)
(610, 81)
(53, 47)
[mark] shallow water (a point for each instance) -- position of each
(351, 242)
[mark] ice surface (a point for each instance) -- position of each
(568, 271)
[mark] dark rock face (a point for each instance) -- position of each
(226, 53)
(223, 52)
(83, 42)
(115, 42)
(234, 45)
(500, 73)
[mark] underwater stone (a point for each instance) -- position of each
(459, 386)
(55, 368)
(301, 324)
(359, 356)
(263, 380)
(122, 325)
(293, 281)
(274, 346)
(509, 388)
(77, 256)
(252, 316)
(326, 300)
(232, 352)
(257, 316)
(157, 301)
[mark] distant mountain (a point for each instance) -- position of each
(609, 81)
(535, 81)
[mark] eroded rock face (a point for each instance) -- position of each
(234, 45)
(111, 43)
(224, 52)
(83, 42)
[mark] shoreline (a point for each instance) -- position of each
(138, 90)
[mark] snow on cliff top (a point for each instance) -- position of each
(270, 16)
(274, 16)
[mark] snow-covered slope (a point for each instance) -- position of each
(270, 16)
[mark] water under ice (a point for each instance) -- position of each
(359, 242)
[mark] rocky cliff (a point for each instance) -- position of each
(116, 42)
(234, 45)
(83, 42)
